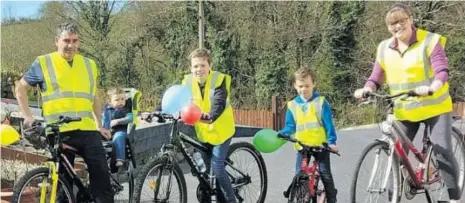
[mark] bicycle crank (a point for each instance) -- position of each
(409, 190)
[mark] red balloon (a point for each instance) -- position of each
(190, 114)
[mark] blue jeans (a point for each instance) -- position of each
(119, 143)
(325, 174)
(218, 158)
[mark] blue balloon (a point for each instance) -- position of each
(175, 98)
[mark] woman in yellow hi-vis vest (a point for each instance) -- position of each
(414, 59)
(69, 84)
(211, 92)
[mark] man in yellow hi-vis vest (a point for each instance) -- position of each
(69, 85)
(414, 59)
(211, 92)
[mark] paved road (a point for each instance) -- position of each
(281, 166)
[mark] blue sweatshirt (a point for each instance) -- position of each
(326, 119)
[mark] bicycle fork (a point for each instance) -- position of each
(43, 187)
(375, 169)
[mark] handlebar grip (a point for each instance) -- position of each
(366, 94)
(412, 93)
(75, 119)
(282, 136)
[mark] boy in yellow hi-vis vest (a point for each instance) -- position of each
(309, 117)
(211, 91)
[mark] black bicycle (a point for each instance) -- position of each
(166, 165)
(46, 184)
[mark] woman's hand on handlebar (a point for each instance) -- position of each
(423, 90)
(360, 93)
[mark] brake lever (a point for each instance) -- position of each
(366, 102)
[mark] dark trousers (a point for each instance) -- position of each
(325, 174)
(89, 146)
(441, 136)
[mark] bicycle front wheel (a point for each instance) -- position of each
(299, 192)
(247, 171)
(30, 186)
(155, 182)
(377, 176)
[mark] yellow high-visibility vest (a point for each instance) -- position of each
(413, 69)
(223, 128)
(70, 90)
(309, 127)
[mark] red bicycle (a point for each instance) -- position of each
(399, 173)
(305, 186)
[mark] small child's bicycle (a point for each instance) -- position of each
(304, 187)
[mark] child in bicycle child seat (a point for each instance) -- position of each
(116, 117)
(304, 110)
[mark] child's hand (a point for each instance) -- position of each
(113, 123)
(333, 148)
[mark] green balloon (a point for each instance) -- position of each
(267, 141)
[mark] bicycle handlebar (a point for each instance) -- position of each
(162, 117)
(367, 95)
(325, 146)
(410, 93)
(62, 120)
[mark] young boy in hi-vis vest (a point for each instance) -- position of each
(308, 116)
(211, 92)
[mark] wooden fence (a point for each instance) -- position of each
(274, 119)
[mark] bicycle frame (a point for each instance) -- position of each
(312, 170)
(416, 176)
(177, 141)
(54, 163)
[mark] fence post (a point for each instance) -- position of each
(274, 109)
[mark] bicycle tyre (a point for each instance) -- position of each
(299, 191)
(156, 163)
(261, 165)
(458, 136)
(395, 171)
(19, 187)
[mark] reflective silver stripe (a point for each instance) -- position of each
(51, 72)
(408, 86)
(91, 76)
(293, 109)
(426, 43)
(318, 108)
(56, 92)
(80, 114)
(67, 94)
(213, 80)
(417, 104)
(306, 126)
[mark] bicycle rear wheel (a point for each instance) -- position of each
(437, 188)
(247, 171)
(28, 189)
(378, 183)
(149, 182)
